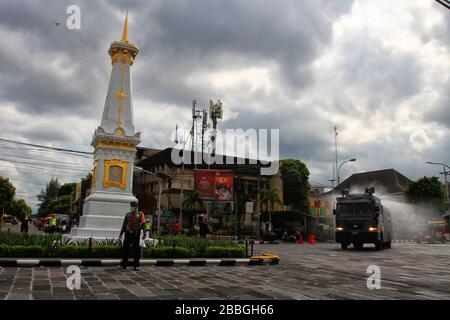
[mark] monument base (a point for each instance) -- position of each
(103, 214)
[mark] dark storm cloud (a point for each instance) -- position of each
(439, 112)
(49, 72)
(195, 34)
(298, 130)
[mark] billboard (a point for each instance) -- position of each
(215, 184)
(223, 183)
(204, 183)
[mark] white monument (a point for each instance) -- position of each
(114, 144)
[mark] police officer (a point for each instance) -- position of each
(132, 227)
(53, 224)
(148, 227)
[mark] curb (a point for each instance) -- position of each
(399, 241)
(256, 242)
(49, 262)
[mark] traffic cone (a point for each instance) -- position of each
(312, 239)
(300, 240)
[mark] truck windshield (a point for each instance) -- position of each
(350, 210)
(363, 210)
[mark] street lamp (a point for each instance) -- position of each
(338, 178)
(445, 178)
(160, 190)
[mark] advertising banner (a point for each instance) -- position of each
(224, 185)
(204, 183)
(215, 184)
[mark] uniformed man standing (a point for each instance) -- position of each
(132, 226)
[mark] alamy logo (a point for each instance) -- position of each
(374, 280)
(73, 21)
(251, 144)
(74, 280)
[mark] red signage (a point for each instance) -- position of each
(204, 183)
(215, 184)
(224, 185)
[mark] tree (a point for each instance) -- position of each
(7, 193)
(46, 196)
(270, 197)
(67, 189)
(19, 208)
(428, 191)
(296, 184)
(191, 200)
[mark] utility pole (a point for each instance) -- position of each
(445, 173)
(336, 153)
(194, 102)
(204, 127)
(258, 208)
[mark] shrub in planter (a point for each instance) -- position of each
(107, 251)
(224, 252)
(72, 251)
(18, 251)
(82, 251)
(167, 252)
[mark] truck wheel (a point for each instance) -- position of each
(358, 245)
(443, 239)
(388, 245)
(344, 246)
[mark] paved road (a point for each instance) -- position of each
(16, 228)
(323, 271)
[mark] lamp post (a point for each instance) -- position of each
(338, 177)
(159, 195)
(445, 173)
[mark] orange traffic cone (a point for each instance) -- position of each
(300, 240)
(312, 239)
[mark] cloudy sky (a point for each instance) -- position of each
(377, 69)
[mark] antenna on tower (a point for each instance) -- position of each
(215, 113)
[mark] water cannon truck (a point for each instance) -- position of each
(361, 218)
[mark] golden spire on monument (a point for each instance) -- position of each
(125, 30)
(123, 50)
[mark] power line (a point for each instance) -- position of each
(30, 165)
(445, 3)
(69, 164)
(46, 147)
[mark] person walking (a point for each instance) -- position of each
(132, 226)
(24, 224)
(177, 228)
(203, 228)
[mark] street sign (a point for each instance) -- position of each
(167, 213)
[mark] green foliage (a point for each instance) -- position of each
(428, 191)
(20, 251)
(192, 199)
(7, 193)
(25, 239)
(167, 252)
(46, 196)
(225, 252)
(67, 189)
(82, 251)
(19, 208)
(296, 184)
(39, 246)
(56, 198)
(270, 197)
(190, 202)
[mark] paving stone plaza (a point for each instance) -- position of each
(322, 271)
